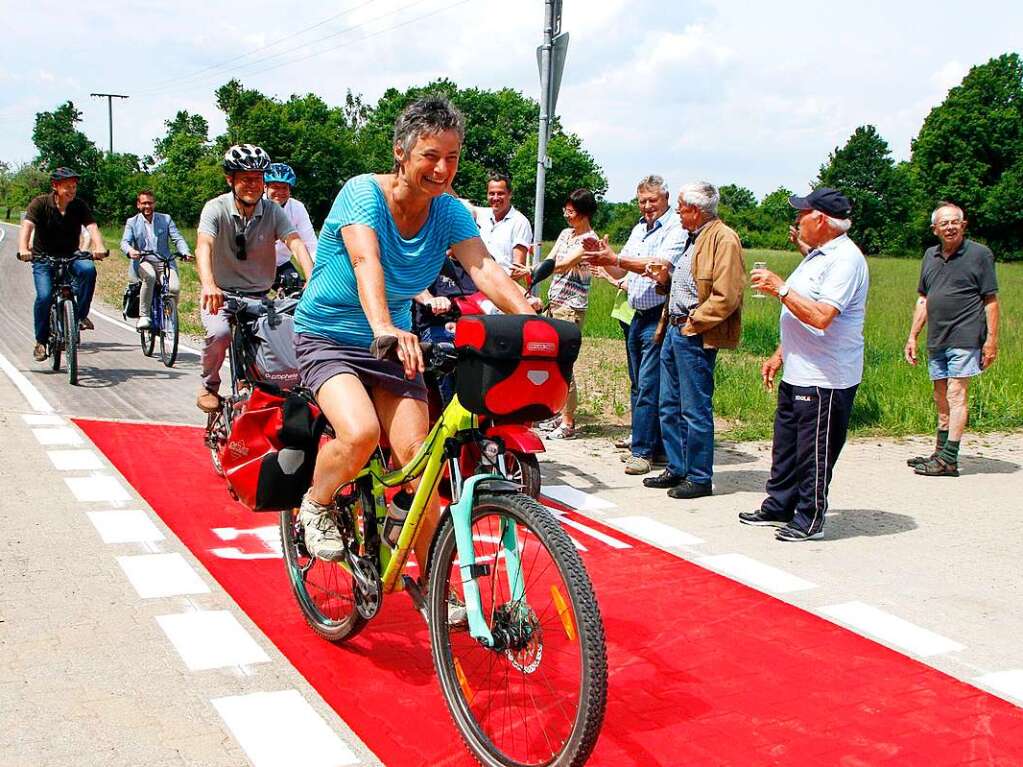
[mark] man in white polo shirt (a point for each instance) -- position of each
(823, 305)
(505, 231)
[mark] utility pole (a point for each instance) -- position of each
(550, 58)
(110, 112)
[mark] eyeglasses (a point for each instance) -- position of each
(239, 242)
(951, 222)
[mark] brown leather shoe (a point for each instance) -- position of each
(86, 324)
(208, 401)
(39, 352)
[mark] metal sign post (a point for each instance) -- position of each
(550, 58)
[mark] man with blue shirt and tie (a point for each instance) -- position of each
(151, 232)
(823, 306)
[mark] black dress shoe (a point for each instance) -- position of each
(686, 489)
(663, 480)
(760, 519)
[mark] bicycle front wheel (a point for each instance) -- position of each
(169, 333)
(71, 342)
(325, 591)
(147, 340)
(537, 697)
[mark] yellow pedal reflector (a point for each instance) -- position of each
(463, 682)
(563, 612)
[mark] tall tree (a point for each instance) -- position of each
(970, 151)
(737, 198)
(864, 171)
(187, 171)
(60, 143)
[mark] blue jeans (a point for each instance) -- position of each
(687, 406)
(83, 278)
(644, 361)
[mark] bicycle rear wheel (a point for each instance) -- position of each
(169, 333)
(325, 591)
(71, 342)
(538, 697)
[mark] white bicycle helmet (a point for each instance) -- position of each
(242, 157)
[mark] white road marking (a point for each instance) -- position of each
(889, 629)
(211, 639)
(577, 499)
(1008, 684)
(655, 532)
(99, 488)
(35, 419)
(36, 401)
(268, 546)
(131, 526)
(74, 460)
(756, 574)
(162, 575)
(257, 721)
(126, 326)
(63, 435)
(614, 543)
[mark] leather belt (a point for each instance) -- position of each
(678, 320)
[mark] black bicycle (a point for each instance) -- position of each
(163, 312)
(64, 332)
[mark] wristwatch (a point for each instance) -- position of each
(783, 290)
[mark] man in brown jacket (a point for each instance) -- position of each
(704, 314)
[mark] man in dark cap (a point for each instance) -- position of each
(823, 306)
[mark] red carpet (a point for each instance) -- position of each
(703, 670)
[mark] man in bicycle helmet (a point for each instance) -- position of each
(235, 251)
(151, 232)
(52, 225)
(280, 181)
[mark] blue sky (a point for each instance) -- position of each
(753, 93)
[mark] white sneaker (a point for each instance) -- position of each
(322, 539)
(144, 323)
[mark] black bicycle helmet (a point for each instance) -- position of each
(62, 174)
(243, 157)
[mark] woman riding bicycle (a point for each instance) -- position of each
(384, 242)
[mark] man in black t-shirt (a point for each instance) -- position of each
(53, 224)
(959, 303)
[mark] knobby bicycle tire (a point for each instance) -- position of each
(545, 662)
(524, 469)
(71, 342)
(169, 332)
(337, 589)
(56, 340)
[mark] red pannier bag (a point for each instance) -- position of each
(515, 366)
(271, 451)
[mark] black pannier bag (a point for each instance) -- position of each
(515, 366)
(130, 301)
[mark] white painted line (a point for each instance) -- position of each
(1008, 684)
(74, 460)
(887, 628)
(35, 400)
(655, 532)
(126, 326)
(258, 720)
(577, 499)
(211, 639)
(614, 543)
(162, 575)
(756, 574)
(35, 419)
(63, 435)
(125, 526)
(99, 488)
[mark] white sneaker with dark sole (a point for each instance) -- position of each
(322, 539)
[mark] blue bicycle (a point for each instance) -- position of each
(163, 312)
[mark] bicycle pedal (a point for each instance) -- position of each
(415, 593)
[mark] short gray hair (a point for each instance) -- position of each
(942, 206)
(702, 195)
(840, 225)
(653, 183)
(427, 116)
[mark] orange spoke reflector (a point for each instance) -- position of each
(463, 682)
(563, 612)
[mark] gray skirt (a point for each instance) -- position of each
(320, 359)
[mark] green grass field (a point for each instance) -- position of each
(894, 398)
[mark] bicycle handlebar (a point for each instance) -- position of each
(82, 255)
(437, 355)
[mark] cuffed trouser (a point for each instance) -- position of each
(83, 277)
(148, 277)
(645, 363)
(810, 427)
(577, 316)
(687, 406)
(215, 346)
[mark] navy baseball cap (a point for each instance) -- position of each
(826, 200)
